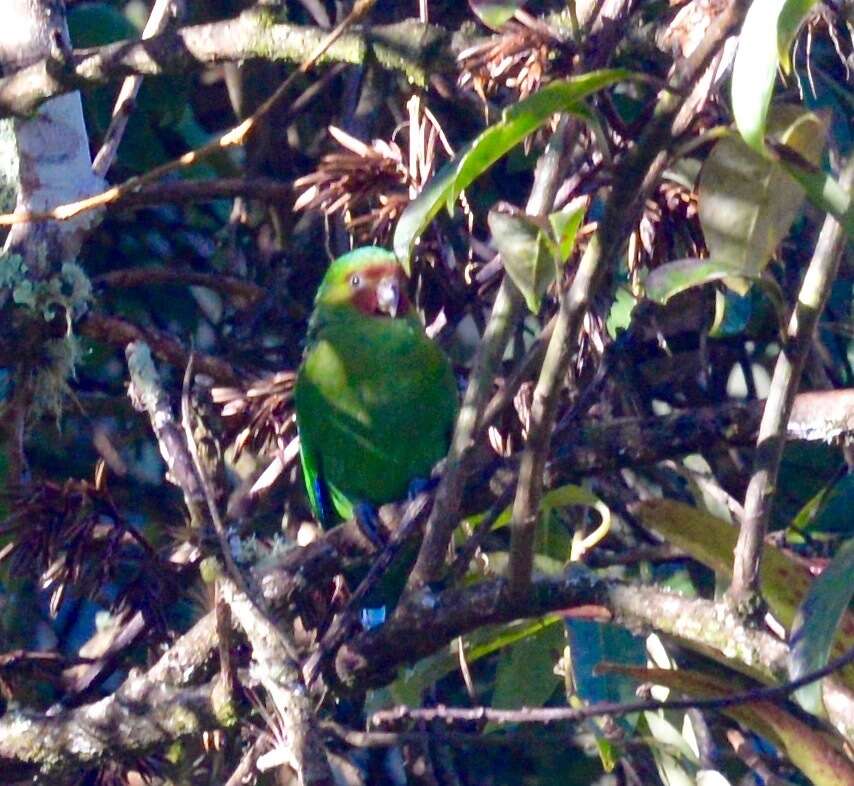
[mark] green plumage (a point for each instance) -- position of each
(375, 397)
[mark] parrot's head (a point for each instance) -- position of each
(369, 280)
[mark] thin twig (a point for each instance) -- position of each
(157, 21)
(605, 708)
(232, 138)
(761, 490)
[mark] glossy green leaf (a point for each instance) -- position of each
(817, 621)
(524, 252)
(494, 13)
(492, 144)
(746, 201)
(792, 16)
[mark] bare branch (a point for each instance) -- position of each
(147, 394)
(157, 21)
(281, 677)
(410, 46)
(634, 176)
(614, 709)
(800, 334)
(120, 332)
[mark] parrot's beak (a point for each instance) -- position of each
(388, 296)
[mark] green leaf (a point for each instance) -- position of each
(412, 682)
(524, 252)
(792, 16)
(620, 316)
(747, 202)
(817, 621)
(565, 225)
(755, 70)
(525, 676)
(824, 192)
(674, 277)
(494, 13)
(496, 141)
(766, 37)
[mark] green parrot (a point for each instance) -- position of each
(375, 398)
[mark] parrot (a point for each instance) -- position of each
(375, 398)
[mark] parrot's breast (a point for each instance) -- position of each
(376, 402)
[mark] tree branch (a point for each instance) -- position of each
(634, 176)
(136, 718)
(416, 49)
(506, 311)
(800, 334)
(119, 332)
(282, 679)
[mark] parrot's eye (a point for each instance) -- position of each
(355, 281)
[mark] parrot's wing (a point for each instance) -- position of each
(318, 495)
(323, 497)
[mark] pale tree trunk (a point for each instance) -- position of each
(50, 166)
(54, 165)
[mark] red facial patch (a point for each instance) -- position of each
(364, 287)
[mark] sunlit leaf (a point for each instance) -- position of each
(494, 13)
(481, 153)
(817, 621)
(746, 201)
(766, 37)
(754, 71)
(674, 277)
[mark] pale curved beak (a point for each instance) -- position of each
(388, 296)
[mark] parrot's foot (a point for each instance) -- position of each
(369, 523)
(417, 485)
(373, 617)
